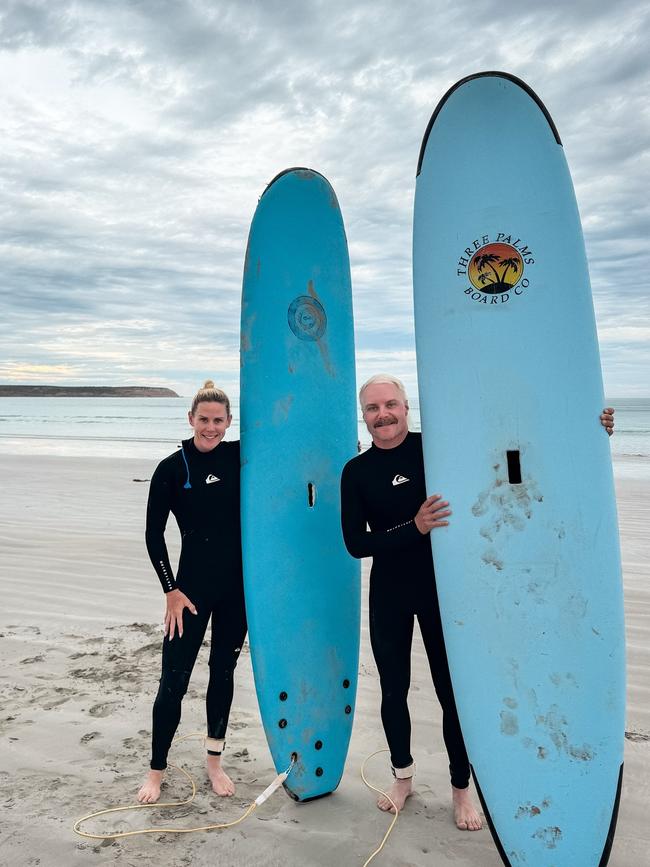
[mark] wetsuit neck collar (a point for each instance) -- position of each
(391, 451)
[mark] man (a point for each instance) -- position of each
(384, 489)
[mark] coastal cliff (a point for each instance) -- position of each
(84, 391)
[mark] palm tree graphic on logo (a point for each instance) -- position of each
(496, 268)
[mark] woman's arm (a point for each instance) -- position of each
(158, 509)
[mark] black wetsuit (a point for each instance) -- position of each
(384, 488)
(202, 491)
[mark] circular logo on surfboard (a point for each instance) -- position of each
(494, 267)
(307, 318)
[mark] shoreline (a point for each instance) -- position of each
(80, 635)
(624, 465)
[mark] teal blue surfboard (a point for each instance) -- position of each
(528, 571)
(298, 429)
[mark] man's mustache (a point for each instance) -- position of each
(384, 421)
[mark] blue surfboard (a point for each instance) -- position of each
(298, 429)
(528, 571)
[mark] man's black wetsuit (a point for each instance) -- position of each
(385, 488)
(201, 489)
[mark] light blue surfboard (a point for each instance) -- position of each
(528, 571)
(298, 429)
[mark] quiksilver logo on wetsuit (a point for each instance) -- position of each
(210, 480)
(399, 480)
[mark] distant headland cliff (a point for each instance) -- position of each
(84, 391)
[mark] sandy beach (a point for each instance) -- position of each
(80, 633)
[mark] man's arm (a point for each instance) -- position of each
(362, 542)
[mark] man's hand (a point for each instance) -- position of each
(607, 419)
(176, 602)
(431, 514)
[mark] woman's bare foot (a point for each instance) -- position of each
(150, 790)
(466, 815)
(221, 782)
(399, 792)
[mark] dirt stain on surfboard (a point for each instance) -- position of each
(281, 409)
(529, 811)
(550, 837)
(320, 341)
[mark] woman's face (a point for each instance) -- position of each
(210, 423)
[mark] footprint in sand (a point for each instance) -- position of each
(33, 629)
(90, 736)
(147, 628)
(103, 709)
(153, 647)
(31, 659)
(55, 702)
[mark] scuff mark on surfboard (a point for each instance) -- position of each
(508, 504)
(577, 605)
(490, 558)
(550, 837)
(555, 724)
(246, 343)
(528, 811)
(558, 679)
(320, 341)
(281, 409)
(509, 723)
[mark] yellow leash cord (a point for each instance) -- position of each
(386, 795)
(221, 825)
(213, 827)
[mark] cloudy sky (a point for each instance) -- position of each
(137, 136)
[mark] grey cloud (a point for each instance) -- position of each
(146, 214)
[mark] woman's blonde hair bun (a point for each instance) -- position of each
(209, 392)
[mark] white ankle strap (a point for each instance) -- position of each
(404, 773)
(215, 745)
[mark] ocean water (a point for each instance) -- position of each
(153, 428)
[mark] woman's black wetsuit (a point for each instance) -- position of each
(385, 488)
(201, 489)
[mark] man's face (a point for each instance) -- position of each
(385, 413)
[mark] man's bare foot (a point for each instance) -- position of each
(150, 790)
(399, 792)
(466, 815)
(221, 782)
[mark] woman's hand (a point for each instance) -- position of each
(431, 514)
(176, 602)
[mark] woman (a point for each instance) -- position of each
(200, 485)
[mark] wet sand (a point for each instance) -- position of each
(80, 649)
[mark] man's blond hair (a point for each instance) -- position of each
(384, 379)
